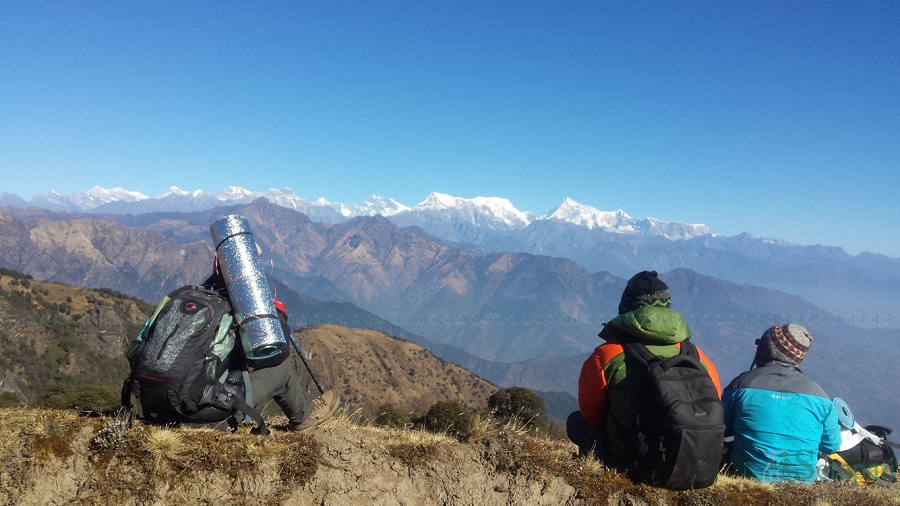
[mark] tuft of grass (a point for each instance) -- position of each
(589, 464)
(50, 433)
(516, 425)
(164, 445)
(343, 417)
(482, 426)
(417, 447)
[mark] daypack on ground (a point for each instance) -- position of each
(680, 427)
(180, 361)
(864, 463)
(865, 455)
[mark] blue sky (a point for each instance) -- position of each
(781, 119)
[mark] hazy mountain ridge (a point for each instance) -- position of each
(100, 254)
(438, 208)
(862, 286)
(499, 307)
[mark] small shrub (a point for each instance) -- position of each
(9, 400)
(90, 398)
(391, 416)
(115, 433)
(519, 403)
(446, 417)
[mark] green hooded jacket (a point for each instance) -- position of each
(660, 329)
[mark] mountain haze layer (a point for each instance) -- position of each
(513, 317)
(861, 287)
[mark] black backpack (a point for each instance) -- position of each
(680, 426)
(866, 462)
(180, 362)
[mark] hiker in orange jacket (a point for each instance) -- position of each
(610, 388)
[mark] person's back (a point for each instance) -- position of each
(611, 385)
(626, 379)
(779, 418)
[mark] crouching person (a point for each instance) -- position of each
(278, 380)
(282, 384)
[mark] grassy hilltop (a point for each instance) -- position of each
(414, 429)
(62, 457)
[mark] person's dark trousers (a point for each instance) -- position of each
(583, 434)
(283, 385)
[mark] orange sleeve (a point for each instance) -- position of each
(711, 369)
(593, 385)
(592, 389)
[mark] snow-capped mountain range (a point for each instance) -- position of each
(607, 241)
(437, 211)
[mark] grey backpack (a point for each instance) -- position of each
(180, 362)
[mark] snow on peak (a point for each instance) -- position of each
(437, 200)
(175, 191)
(493, 212)
(102, 196)
(384, 206)
(234, 193)
(675, 230)
(586, 216)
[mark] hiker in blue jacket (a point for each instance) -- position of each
(779, 418)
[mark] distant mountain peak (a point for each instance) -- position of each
(384, 206)
(580, 214)
(91, 199)
(175, 191)
(106, 195)
(234, 192)
(494, 212)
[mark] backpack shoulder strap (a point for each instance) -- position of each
(254, 415)
(688, 348)
(639, 352)
(127, 387)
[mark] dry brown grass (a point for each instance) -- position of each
(154, 460)
(164, 446)
(146, 458)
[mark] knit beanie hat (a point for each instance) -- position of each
(644, 289)
(786, 343)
